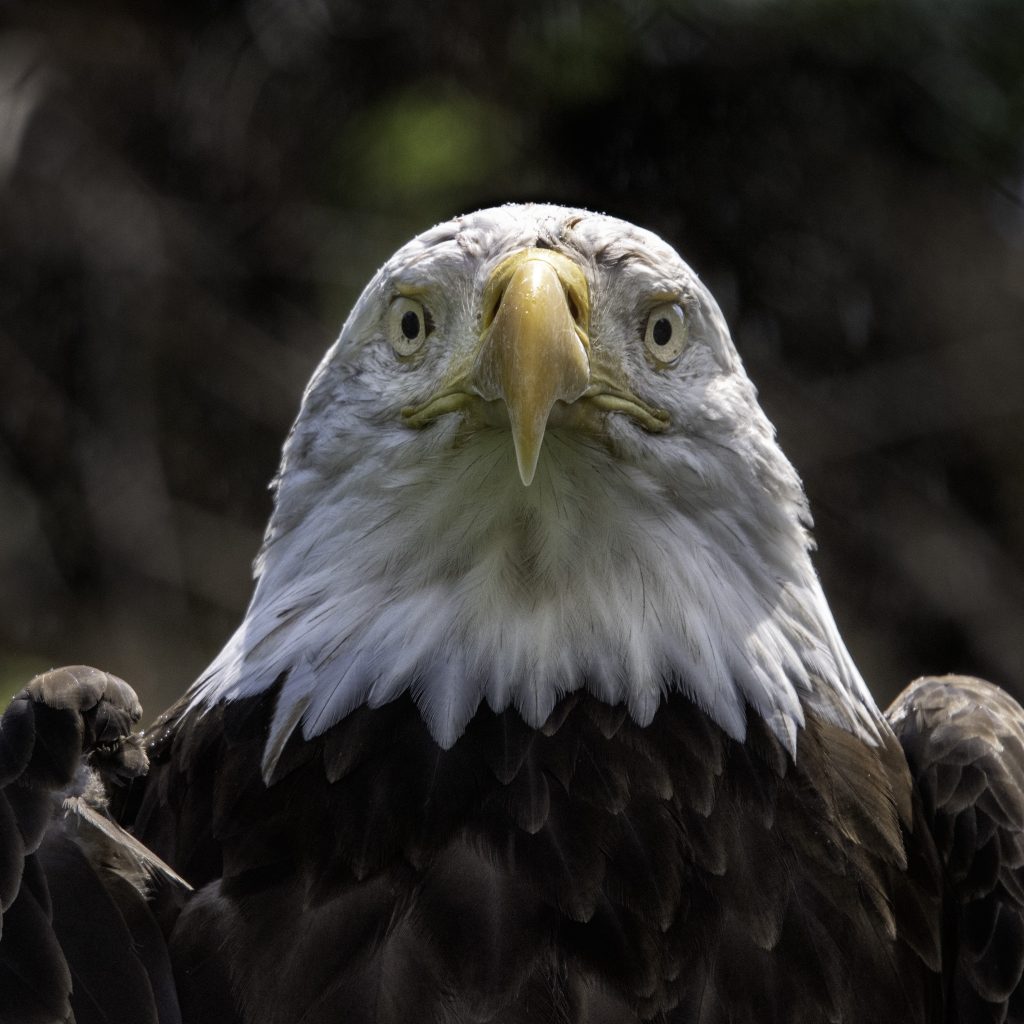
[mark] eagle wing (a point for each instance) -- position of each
(78, 942)
(964, 742)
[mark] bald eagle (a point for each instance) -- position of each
(538, 711)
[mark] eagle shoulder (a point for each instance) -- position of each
(964, 742)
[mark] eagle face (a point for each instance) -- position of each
(526, 320)
(532, 463)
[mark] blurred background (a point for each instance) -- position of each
(193, 193)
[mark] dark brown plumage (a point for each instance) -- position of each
(590, 870)
(964, 742)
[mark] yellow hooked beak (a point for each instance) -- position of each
(534, 348)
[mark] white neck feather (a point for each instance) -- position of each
(444, 577)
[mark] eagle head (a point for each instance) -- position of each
(533, 463)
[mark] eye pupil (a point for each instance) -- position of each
(661, 333)
(411, 324)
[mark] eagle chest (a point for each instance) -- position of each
(693, 875)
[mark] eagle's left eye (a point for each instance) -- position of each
(665, 332)
(408, 325)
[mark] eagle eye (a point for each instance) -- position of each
(408, 325)
(665, 332)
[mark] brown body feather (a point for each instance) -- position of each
(964, 741)
(592, 870)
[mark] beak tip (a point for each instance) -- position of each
(527, 468)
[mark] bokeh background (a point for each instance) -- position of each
(193, 193)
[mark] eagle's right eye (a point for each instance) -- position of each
(408, 323)
(665, 332)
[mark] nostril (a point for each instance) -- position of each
(490, 311)
(574, 307)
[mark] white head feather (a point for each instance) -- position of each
(415, 560)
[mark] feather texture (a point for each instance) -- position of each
(964, 741)
(637, 564)
(577, 869)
